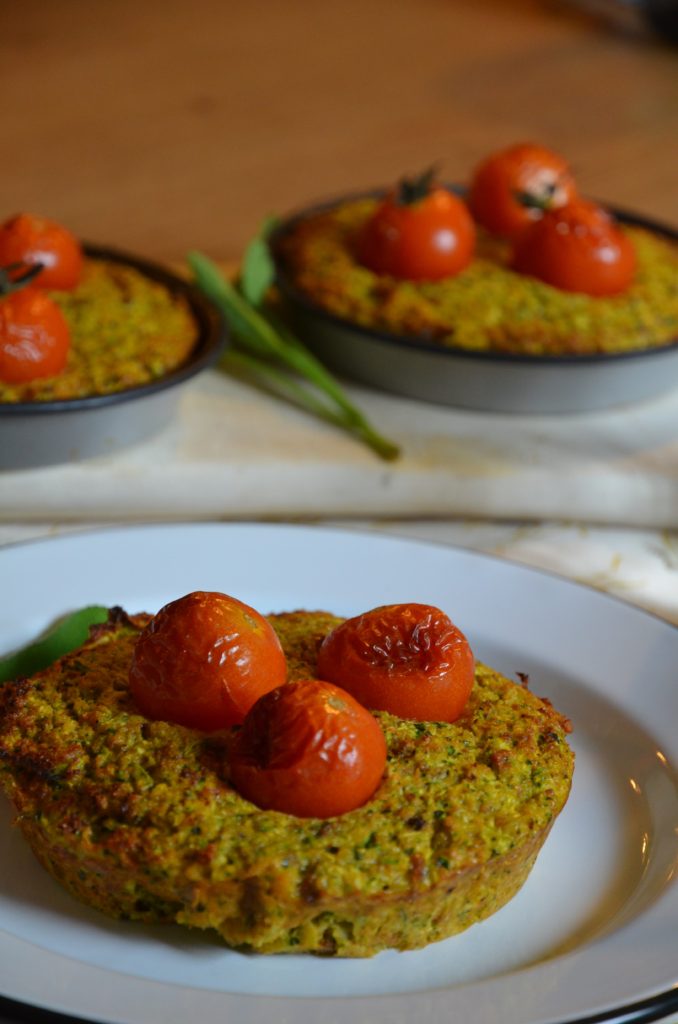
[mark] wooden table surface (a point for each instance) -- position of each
(161, 127)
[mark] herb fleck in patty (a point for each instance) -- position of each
(487, 307)
(138, 819)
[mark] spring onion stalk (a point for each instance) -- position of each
(264, 347)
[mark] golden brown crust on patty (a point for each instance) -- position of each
(138, 819)
(126, 330)
(488, 307)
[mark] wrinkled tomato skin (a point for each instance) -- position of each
(427, 240)
(502, 182)
(578, 248)
(308, 749)
(204, 660)
(409, 659)
(26, 238)
(34, 337)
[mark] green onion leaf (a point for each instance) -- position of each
(258, 335)
(257, 271)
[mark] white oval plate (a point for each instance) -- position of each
(594, 930)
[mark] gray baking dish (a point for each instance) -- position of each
(45, 433)
(487, 381)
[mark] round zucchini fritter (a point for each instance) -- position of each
(138, 819)
(126, 330)
(488, 307)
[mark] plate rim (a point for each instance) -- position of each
(649, 1002)
(164, 524)
(642, 1012)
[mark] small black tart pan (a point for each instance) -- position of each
(69, 430)
(500, 382)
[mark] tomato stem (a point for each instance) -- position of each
(12, 282)
(534, 201)
(413, 190)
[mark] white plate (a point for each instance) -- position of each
(594, 930)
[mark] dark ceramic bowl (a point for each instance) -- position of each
(69, 430)
(488, 381)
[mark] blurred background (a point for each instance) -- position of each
(160, 127)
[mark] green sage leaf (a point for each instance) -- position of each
(63, 636)
(257, 271)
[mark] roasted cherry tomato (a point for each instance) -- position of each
(34, 336)
(408, 659)
(511, 189)
(203, 661)
(309, 749)
(28, 239)
(578, 248)
(421, 232)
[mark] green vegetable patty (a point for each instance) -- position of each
(138, 819)
(125, 330)
(487, 307)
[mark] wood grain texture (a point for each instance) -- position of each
(160, 127)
